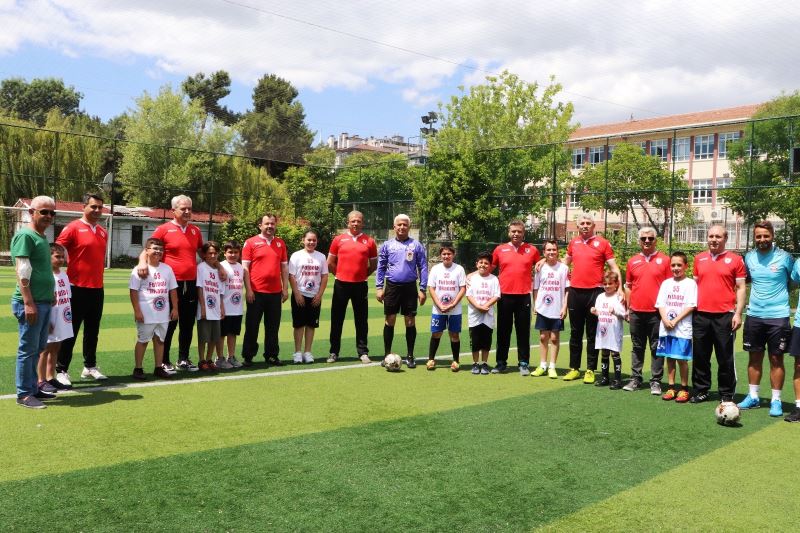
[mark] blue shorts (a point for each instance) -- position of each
(544, 323)
(451, 323)
(674, 348)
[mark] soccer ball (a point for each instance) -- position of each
(727, 414)
(392, 362)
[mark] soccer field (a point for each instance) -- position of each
(350, 447)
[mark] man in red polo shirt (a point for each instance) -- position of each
(85, 242)
(266, 277)
(588, 254)
(721, 289)
(515, 259)
(353, 256)
(643, 276)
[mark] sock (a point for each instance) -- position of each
(604, 365)
(456, 347)
(754, 391)
(411, 338)
(552, 364)
(776, 394)
(797, 403)
(617, 366)
(434, 345)
(543, 365)
(388, 337)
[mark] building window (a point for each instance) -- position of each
(643, 146)
(136, 234)
(659, 149)
(722, 183)
(574, 199)
(578, 158)
(724, 139)
(596, 154)
(680, 152)
(701, 192)
(704, 147)
(610, 151)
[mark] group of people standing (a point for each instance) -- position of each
(680, 318)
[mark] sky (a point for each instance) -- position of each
(373, 68)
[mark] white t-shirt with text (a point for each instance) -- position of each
(482, 289)
(308, 269)
(154, 292)
(447, 282)
(551, 282)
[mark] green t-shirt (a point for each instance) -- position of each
(28, 243)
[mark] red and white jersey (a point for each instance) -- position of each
(516, 267)
(263, 259)
(716, 280)
(551, 282)
(644, 276)
(208, 280)
(589, 258)
(482, 289)
(609, 322)
(447, 282)
(181, 245)
(353, 253)
(86, 253)
(154, 292)
(234, 289)
(308, 269)
(61, 312)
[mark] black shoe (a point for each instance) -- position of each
(247, 362)
(616, 385)
(274, 361)
(700, 397)
(138, 373)
(794, 417)
(500, 368)
(602, 382)
(42, 395)
(411, 362)
(57, 384)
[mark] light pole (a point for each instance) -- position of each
(108, 188)
(429, 120)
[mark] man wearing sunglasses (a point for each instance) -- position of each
(643, 276)
(32, 298)
(85, 241)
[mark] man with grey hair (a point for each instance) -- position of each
(401, 261)
(32, 298)
(643, 277)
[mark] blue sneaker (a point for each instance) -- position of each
(775, 408)
(749, 403)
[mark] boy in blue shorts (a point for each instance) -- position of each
(447, 284)
(550, 296)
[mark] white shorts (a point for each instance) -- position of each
(145, 332)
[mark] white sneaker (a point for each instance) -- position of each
(308, 358)
(93, 372)
(222, 363)
(365, 359)
(169, 369)
(297, 358)
(235, 363)
(63, 378)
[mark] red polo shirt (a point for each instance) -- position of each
(265, 263)
(644, 276)
(716, 280)
(589, 258)
(516, 267)
(353, 255)
(86, 248)
(180, 248)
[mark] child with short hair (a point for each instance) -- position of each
(609, 308)
(308, 276)
(151, 309)
(447, 284)
(483, 291)
(676, 301)
(550, 296)
(235, 292)
(210, 306)
(60, 323)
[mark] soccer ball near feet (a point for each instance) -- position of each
(727, 414)
(392, 362)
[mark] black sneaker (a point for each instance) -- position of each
(138, 373)
(794, 417)
(274, 361)
(616, 385)
(602, 382)
(57, 384)
(42, 395)
(162, 373)
(499, 369)
(476, 368)
(247, 362)
(485, 369)
(411, 362)
(700, 397)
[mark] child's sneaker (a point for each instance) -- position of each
(669, 395)
(485, 371)
(602, 382)
(539, 372)
(203, 366)
(476, 368)
(615, 385)
(682, 397)
(454, 366)
(211, 366)
(572, 375)
(552, 373)
(588, 377)
(138, 373)
(297, 358)
(431, 364)
(308, 358)
(162, 373)
(235, 363)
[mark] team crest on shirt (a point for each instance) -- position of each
(363, 241)
(527, 250)
(277, 245)
(160, 303)
(603, 331)
(194, 232)
(67, 314)
(236, 297)
(547, 300)
(671, 315)
(309, 285)
(211, 301)
(596, 244)
(727, 260)
(445, 299)
(773, 268)
(659, 260)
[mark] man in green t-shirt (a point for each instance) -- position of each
(33, 298)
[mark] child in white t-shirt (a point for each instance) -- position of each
(550, 295)
(155, 304)
(308, 276)
(447, 284)
(235, 292)
(60, 323)
(210, 306)
(676, 301)
(483, 291)
(610, 311)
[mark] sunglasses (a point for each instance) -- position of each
(46, 212)
(647, 239)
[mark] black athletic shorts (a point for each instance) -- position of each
(306, 316)
(231, 325)
(480, 337)
(772, 333)
(400, 297)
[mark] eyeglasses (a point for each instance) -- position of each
(157, 250)
(647, 239)
(46, 212)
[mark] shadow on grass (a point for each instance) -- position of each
(97, 397)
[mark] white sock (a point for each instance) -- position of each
(552, 364)
(797, 403)
(543, 365)
(754, 391)
(776, 394)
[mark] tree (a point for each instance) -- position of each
(763, 183)
(33, 101)
(275, 128)
(636, 183)
(209, 91)
(474, 185)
